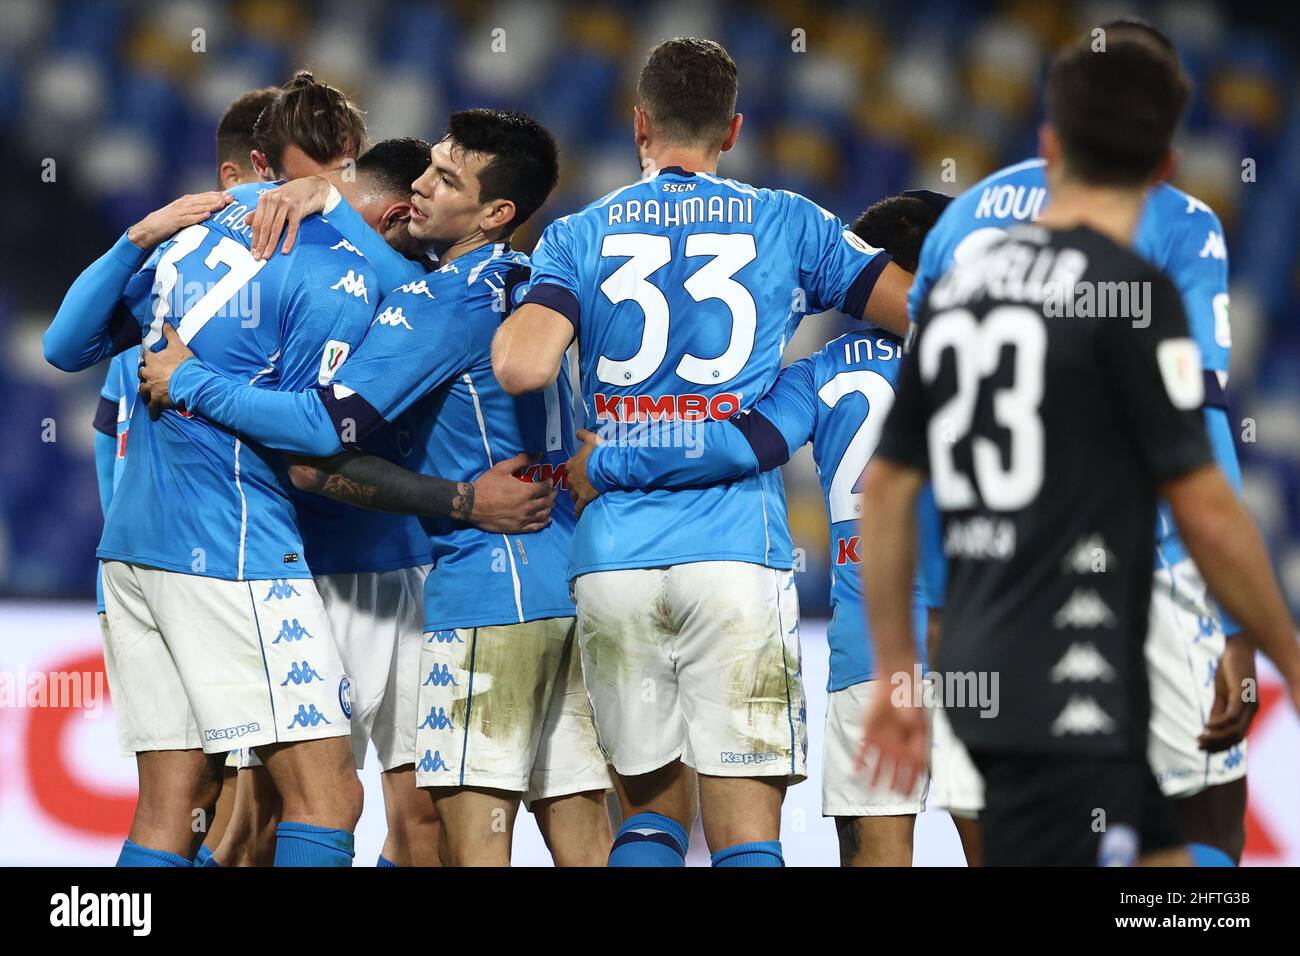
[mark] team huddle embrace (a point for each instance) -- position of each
(352, 495)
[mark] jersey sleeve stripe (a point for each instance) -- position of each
(855, 300)
(106, 417)
(765, 439)
(558, 298)
(354, 418)
(1215, 395)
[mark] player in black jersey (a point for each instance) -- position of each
(1051, 393)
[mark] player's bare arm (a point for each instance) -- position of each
(529, 347)
(1227, 547)
(496, 501)
(887, 306)
(575, 469)
(894, 733)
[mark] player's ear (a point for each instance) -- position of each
(397, 212)
(229, 174)
(499, 213)
(1049, 145)
(640, 126)
(1168, 165)
(733, 131)
(261, 166)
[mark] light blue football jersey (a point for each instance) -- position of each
(193, 497)
(1177, 233)
(426, 368)
(684, 290)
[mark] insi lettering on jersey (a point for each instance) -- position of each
(1011, 202)
(545, 472)
(354, 285)
(392, 315)
(653, 408)
(420, 287)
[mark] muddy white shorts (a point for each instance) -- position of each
(504, 708)
(699, 662)
(845, 792)
(202, 662)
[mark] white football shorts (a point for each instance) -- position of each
(845, 792)
(504, 708)
(699, 662)
(202, 662)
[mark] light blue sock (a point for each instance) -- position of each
(204, 856)
(765, 853)
(133, 854)
(301, 844)
(385, 861)
(1205, 855)
(649, 839)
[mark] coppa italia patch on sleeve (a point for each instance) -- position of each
(1180, 369)
(331, 360)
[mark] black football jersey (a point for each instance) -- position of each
(1051, 386)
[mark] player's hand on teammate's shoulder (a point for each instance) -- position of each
(1235, 697)
(504, 503)
(895, 743)
(161, 224)
(156, 370)
(283, 209)
(581, 489)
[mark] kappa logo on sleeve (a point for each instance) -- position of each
(353, 284)
(332, 360)
(393, 316)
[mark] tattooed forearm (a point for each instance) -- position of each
(368, 481)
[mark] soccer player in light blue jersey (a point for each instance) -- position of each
(236, 165)
(368, 567)
(836, 399)
(682, 291)
(1197, 656)
(206, 589)
(504, 714)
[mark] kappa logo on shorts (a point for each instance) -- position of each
(728, 756)
(437, 720)
(432, 763)
(281, 588)
(307, 716)
(301, 673)
(440, 676)
(345, 697)
(292, 632)
(448, 636)
(230, 733)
